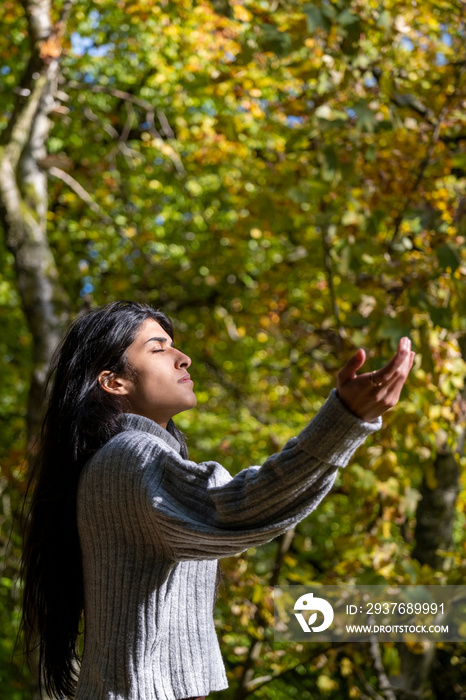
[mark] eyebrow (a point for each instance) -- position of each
(160, 340)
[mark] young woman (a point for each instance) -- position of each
(124, 527)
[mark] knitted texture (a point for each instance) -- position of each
(152, 526)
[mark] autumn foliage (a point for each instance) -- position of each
(286, 180)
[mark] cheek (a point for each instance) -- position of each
(153, 383)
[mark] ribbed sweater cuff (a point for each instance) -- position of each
(335, 433)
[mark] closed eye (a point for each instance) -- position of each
(160, 341)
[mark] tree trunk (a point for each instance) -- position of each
(24, 200)
(24, 205)
(435, 517)
(436, 510)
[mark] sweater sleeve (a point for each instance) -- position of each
(199, 511)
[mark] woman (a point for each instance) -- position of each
(123, 526)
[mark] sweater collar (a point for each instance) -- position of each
(132, 421)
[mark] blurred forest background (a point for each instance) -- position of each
(286, 179)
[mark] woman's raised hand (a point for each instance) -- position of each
(371, 394)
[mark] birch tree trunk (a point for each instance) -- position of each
(24, 205)
(24, 200)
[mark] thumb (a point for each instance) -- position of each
(349, 370)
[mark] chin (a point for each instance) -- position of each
(189, 404)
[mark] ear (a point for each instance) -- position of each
(112, 384)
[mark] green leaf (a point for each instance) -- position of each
(365, 116)
(315, 19)
(272, 39)
(330, 164)
(393, 330)
(351, 35)
(459, 161)
(441, 317)
(346, 18)
(384, 20)
(448, 257)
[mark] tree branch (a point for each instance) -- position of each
(384, 683)
(372, 694)
(265, 680)
(81, 192)
(246, 681)
(121, 144)
(96, 208)
(427, 158)
(159, 142)
(340, 331)
(45, 41)
(16, 134)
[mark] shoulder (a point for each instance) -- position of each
(118, 473)
(135, 443)
(144, 460)
(128, 452)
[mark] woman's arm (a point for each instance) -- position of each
(222, 515)
(199, 511)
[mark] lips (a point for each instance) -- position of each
(186, 378)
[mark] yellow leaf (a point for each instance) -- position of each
(325, 683)
(240, 13)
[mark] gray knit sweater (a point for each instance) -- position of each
(152, 525)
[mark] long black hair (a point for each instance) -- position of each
(79, 419)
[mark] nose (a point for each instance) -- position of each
(182, 360)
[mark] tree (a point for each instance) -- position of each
(286, 179)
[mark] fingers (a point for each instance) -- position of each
(349, 370)
(370, 394)
(399, 377)
(389, 389)
(396, 366)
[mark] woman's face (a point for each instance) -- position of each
(163, 386)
